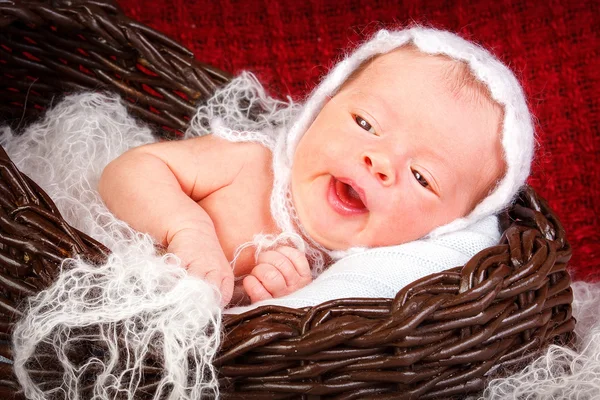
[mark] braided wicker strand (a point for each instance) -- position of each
(49, 48)
(34, 240)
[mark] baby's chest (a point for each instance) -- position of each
(239, 211)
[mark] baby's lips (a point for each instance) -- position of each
(357, 189)
(348, 196)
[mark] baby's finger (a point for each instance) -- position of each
(298, 259)
(283, 266)
(224, 281)
(255, 290)
(271, 278)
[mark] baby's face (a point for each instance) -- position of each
(398, 151)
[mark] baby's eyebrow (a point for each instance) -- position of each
(438, 156)
(380, 103)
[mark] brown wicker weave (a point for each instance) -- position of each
(442, 336)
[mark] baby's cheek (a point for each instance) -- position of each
(410, 220)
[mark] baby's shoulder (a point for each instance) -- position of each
(249, 158)
(257, 159)
(254, 151)
(231, 152)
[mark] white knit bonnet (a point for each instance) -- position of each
(517, 127)
(282, 125)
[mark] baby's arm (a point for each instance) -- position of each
(156, 188)
(278, 273)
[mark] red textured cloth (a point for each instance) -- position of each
(553, 47)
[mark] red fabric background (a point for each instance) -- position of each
(553, 46)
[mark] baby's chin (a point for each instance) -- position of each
(315, 217)
(320, 236)
(358, 243)
(335, 239)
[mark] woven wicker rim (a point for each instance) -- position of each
(442, 336)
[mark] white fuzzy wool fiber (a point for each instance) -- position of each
(242, 111)
(146, 297)
(562, 373)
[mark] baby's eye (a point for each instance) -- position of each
(420, 179)
(364, 124)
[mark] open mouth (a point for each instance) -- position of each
(345, 199)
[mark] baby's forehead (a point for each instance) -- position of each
(453, 75)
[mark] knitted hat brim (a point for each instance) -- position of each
(517, 131)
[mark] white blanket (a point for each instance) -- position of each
(158, 303)
(383, 271)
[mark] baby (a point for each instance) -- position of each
(402, 139)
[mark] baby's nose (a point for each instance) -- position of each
(381, 167)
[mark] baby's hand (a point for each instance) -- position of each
(279, 272)
(206, 262)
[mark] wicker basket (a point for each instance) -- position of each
(443, 336)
